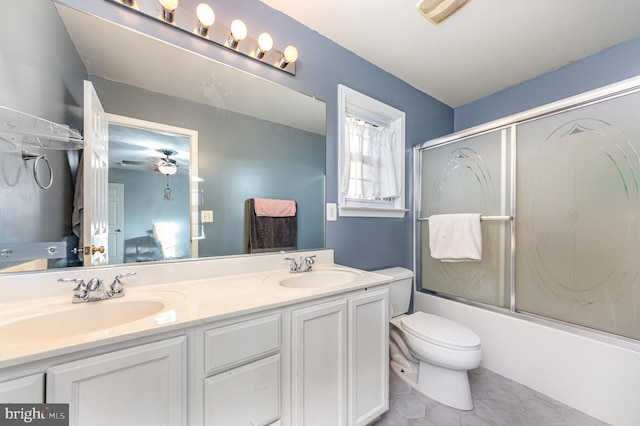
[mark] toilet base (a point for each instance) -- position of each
(449, 387)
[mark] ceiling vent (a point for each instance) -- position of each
(437, 11)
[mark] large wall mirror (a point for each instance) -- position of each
(235, 135)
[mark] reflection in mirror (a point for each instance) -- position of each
(256, 139)
(151, 166)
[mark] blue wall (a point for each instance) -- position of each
(52, 95)
(363, 243)
(608, 66)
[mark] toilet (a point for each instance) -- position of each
(430, 353)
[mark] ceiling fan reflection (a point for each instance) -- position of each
(163, 165)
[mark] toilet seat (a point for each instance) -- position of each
(440, 331)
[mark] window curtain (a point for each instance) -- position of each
(369, 168)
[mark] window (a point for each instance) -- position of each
(371, 157)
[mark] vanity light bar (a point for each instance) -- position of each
(202, 23)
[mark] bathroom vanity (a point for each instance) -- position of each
(215, 347)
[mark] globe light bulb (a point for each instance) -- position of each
(205, 15)
(290, 54)
(238, 30)
(238, 33)
(265, 43)
(169, 5)
(206, 18)
(168, 10)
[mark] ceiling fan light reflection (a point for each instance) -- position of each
(168, 169)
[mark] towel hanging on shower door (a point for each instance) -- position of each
(455, 237)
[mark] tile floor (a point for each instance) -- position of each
(497, 401)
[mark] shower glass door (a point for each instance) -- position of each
(578, 214)
(471, 175)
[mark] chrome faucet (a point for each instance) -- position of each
(95, 290)
(305, 264)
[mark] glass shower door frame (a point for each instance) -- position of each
(511, 124)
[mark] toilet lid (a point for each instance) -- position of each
(440, 331)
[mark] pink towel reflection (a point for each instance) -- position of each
(274, 208)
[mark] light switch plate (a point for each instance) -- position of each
(206, 216)
(332, 212)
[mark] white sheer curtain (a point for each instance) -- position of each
(368, 169)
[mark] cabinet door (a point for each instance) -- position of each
(247, 395)
(143, 385)
(368, 356)
(28, 389)
(319, 364)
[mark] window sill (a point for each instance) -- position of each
(346, 211)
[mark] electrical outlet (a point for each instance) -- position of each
(332, 212)
(206, 216)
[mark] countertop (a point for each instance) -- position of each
(187, 303)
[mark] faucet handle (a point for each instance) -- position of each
(81, 286)
(80, 293)
(121, 276)
(307, 265)
(293, 266)
(117, 286)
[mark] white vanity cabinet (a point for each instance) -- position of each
(137, 386)
(29, 389)
(339, 360)
(243, 372)
(319, 364)
(368, 356)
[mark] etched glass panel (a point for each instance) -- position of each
(469, 176)
(578, 213)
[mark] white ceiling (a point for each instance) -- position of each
(487, 46)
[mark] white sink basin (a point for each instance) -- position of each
(61, 318)
(316, 278)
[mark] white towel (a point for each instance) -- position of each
(455, 237)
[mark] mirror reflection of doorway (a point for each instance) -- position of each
(155, 166)
(116, 223)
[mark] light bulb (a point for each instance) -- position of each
(265, 43)
(290, 54)
(169, 5)
(238, 33)
(167, 168)
(206, 18)
(168, 10)
(238, 30)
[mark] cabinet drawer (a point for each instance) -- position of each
(239, 343)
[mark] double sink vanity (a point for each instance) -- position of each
(225, 341)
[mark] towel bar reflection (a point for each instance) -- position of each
(482, 218)
(26, 155)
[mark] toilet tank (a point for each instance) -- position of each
(400, 289)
